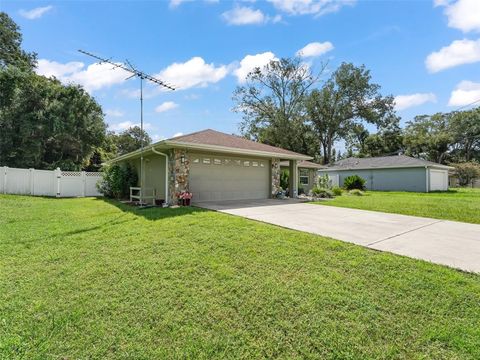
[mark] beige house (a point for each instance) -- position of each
(213, 166)
(307, 173)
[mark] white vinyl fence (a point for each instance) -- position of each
(56, 183)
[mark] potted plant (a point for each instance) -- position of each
(185, 197)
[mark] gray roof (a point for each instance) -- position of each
(382, 162)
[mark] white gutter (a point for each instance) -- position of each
(166, 171)
(441, 167)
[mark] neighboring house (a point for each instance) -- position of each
(395, 173)
(213, 166)
(307, 173)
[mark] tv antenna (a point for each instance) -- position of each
(142, 76)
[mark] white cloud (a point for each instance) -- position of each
(313, 7)
(403, 102)
(462, 14)
(114, 112)
(124, 125)
(167, 105)
(457, 53)
(35, 13)
(93, 77)
(242, 15)
(193, 73)
(315, 49)
(250, 62)
(175, 3)
(466, 92)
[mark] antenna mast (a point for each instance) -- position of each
(143, 76)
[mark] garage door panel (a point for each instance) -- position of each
(231, 180)
(438, 180)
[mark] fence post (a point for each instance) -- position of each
(84, 183)
(57, 176)
(5, 169)
(32, 180)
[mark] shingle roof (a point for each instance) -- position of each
(397, 161)
(304, 164)
(217, 138)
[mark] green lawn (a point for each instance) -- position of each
(456, 204)
(88, 278)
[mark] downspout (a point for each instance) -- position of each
(427, 182)
(166, 172)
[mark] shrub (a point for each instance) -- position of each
(354, 182)
(467, 173)
(337, 191)
(324, 182)
(284, 179)
(117, 180)
(322, 193)
(356, 192)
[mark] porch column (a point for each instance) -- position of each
(179, 174)
(293, 178)
(275, 177)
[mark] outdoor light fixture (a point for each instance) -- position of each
(182, 159)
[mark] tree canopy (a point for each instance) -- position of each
(43, 123)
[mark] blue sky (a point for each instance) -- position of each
(427, 53)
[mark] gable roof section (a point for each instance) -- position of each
(216, 141)
(383, 162)
(215, 138)
(304, 164)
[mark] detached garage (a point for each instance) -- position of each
(392, 173)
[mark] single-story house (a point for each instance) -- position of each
(307, 173)
(213, 166)
(392, 173)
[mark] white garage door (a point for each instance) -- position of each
(438, 180)
(228, 178)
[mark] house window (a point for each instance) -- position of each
(255, 163)
(206, 160)
(217, 161)
(246, 163)
(303, 176)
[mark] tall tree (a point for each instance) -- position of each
(131, 139)
(347, 100)
(429, 137)
(44, 124)
(11, 53)
(465, 128)
(273, 107)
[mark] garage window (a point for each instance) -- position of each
(196, 160)
(217, 161)
(238, 162)
(228, 162)
(246, 163)
(262, 164)
(255, 163)
(206, 160)
(303, 176)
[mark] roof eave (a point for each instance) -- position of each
(444, 167)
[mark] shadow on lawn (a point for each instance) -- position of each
(153, 213)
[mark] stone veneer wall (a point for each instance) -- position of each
(178, 174)
(315, 177)
(275, 176)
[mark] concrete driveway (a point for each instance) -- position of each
(450, 243)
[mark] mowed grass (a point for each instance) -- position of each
(455, 204)
(91, 279)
